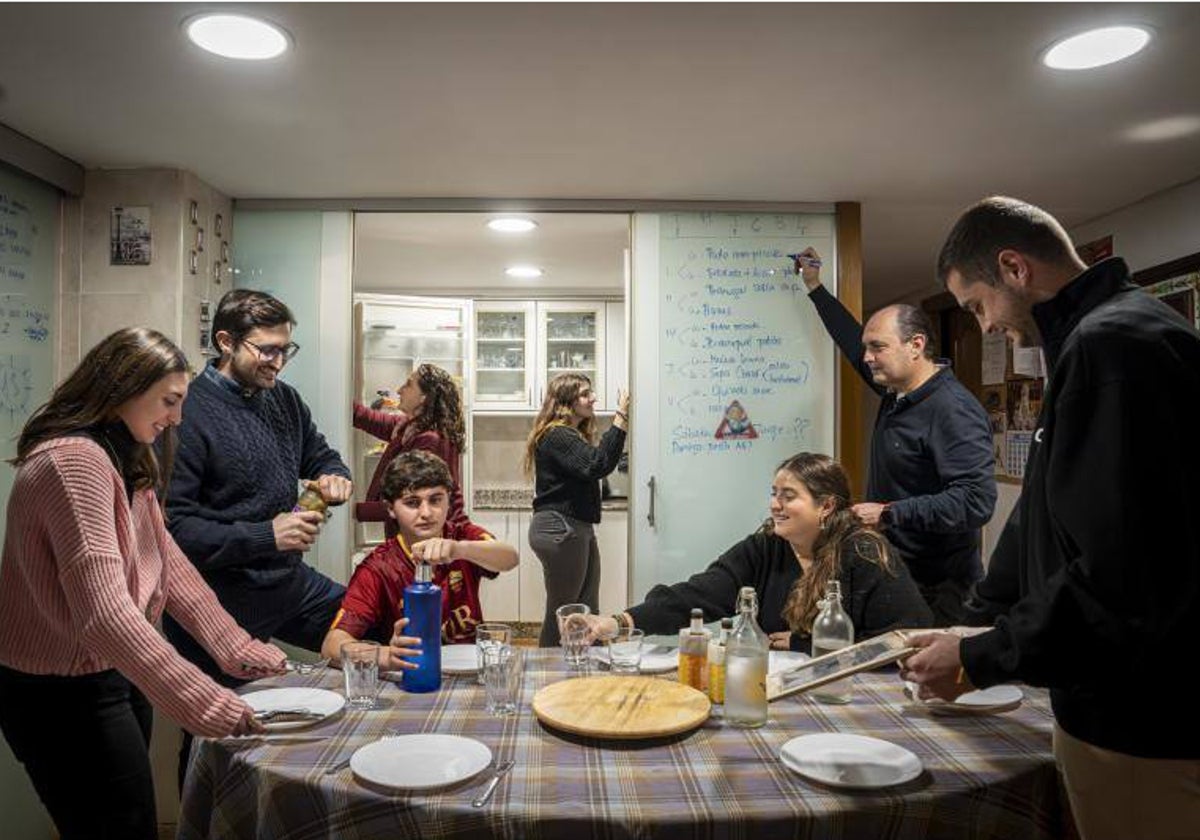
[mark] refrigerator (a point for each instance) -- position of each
(394, 334)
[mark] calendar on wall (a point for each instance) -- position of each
(1017, 452)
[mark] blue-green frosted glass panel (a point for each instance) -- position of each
(279, 252)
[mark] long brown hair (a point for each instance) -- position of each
(558, 409)
(826, 479)
(123, 366)
(442, 410)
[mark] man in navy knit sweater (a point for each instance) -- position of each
(246, 441)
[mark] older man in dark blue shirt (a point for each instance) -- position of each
(930, 483)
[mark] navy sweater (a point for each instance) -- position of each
(931, 459)
(237, 467)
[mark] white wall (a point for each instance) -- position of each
(1158, 229)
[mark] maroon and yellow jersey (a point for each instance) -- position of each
(374, 598)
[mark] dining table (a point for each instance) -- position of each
(984, 776)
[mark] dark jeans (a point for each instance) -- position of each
(946, 601)
(570, 560)
(84, 741)
(297, 609)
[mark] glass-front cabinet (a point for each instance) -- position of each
(571, 337)
(505, 349)
(519, 346)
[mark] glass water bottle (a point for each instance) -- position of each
(746, 666)
(832, 631)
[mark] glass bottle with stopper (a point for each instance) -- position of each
(832, 631)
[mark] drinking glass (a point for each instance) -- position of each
(501, 676)
(490, 634)
(360, 667)
(573, 634)
(625, 650)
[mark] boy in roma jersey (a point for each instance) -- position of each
(416, 488)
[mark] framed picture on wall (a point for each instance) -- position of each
(129, 236)
(1177, 284)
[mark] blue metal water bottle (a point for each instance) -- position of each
(423, 608)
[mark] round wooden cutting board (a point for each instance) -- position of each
(621, 706)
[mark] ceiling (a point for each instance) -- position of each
(914, 110)
(453, 253)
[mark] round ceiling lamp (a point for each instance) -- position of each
(1097, 48)
(237, 36)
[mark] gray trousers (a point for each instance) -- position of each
(570, 560)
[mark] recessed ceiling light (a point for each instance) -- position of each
(512, 224)
(523, 271)
(237, 36)
(1167, 128)
(1096, 48)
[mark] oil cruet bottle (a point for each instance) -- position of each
(693, 652)
(423, 608)
(746, 666)
(832, 631)
(716, 662)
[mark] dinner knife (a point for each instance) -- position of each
(482, 799)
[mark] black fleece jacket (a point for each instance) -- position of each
(1095, 580)
(876, 600)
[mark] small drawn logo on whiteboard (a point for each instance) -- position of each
(736, 424)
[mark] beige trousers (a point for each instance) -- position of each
(1124, 797)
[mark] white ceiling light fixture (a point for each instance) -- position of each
(512, 224)
(1097, 48)
(237, 36)
(524, 272)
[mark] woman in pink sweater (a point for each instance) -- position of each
(88, 569)
(430, 418)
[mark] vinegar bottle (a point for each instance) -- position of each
(716, 662)
(693, 652)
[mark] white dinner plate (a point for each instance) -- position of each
(781, 660)
(850, 761)
(315, 700)
(987, 701)
(420, 762)
(459, 659)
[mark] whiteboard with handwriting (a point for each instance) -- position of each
(28, 245)
(746, 378)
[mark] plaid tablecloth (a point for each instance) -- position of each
(985, 776)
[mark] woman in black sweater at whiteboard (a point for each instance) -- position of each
(568, 465)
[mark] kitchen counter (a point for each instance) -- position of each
(521, 498)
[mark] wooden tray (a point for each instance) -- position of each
(864, 656)
(621, 707)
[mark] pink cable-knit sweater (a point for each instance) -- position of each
(85, 576)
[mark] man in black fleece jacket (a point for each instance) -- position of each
(930, 482)
(1094, 586)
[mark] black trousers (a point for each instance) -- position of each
(84, 741)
